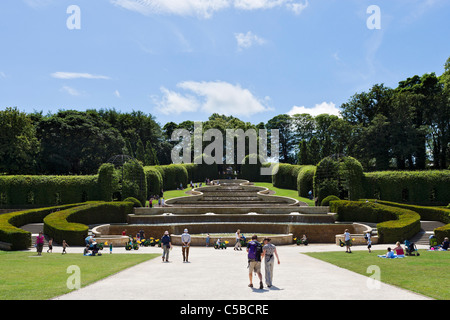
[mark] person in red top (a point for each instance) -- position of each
(398, 249)
(40, 243)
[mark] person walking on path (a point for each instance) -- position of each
(166, 246)
(368, 237)
(39, 243)
(64, 245)
(50, 245)
(347, 241)
(254, 250)
(186, 243)
(238, 246)
(269, 251)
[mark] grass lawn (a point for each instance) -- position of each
(427, 274)
(172, 194)
(285, 192)
(279, 192)
(25, 276)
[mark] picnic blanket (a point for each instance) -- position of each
(394, 257)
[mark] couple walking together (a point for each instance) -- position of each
(166, 245)
(256, 252)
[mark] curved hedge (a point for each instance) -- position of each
(71, 224)
(428, 214)
(393, 224)
(10, 224)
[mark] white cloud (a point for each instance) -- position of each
(175, 103)
(72, 91)
(324, 107)
(298, 8)
(200, 8)
(211, 97)
(2, 75)
(246, 40)
(117, 93)
(75, 75)
(204, 8)
(38, 3)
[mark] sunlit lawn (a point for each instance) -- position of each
(279, 192)
(25, 276)
(427, 274)
(285, 192)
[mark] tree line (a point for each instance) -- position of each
(405, 128)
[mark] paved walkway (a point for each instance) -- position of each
(222, 275)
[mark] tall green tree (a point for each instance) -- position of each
(74, 142)
(19, 145)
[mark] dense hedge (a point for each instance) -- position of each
(305, 180)
(416, 187)
(393, 224)
(154, 181)
(428, 214)
(173, 175)
(342, 177)
(107, 182)
(10, 224)
(286, 176)
(134, 183)
(202, 171)
(351, 175)
(71, 224)
(327, 200)
(34, 191)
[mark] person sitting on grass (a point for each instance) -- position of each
(445, 245)
(390, 253)
(399, 250)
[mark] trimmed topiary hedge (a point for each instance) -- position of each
(413, 187)
(305, 180)
(34, 191)
(107, 182)
(326, 201)
(173, 175)
(136, 203)
(286, 176)
(154, 181)
(10, 224)
(71, 224)
(393, 224)
(428, 214)
(342, 177)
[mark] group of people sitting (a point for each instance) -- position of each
(397, 252)
(91, 248)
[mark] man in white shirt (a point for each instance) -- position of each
(185, 244)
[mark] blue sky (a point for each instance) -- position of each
(185, 59)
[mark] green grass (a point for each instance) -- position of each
(427, 274)
(172, 194)
(285, 192)
(279, 192)
(25, 276)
